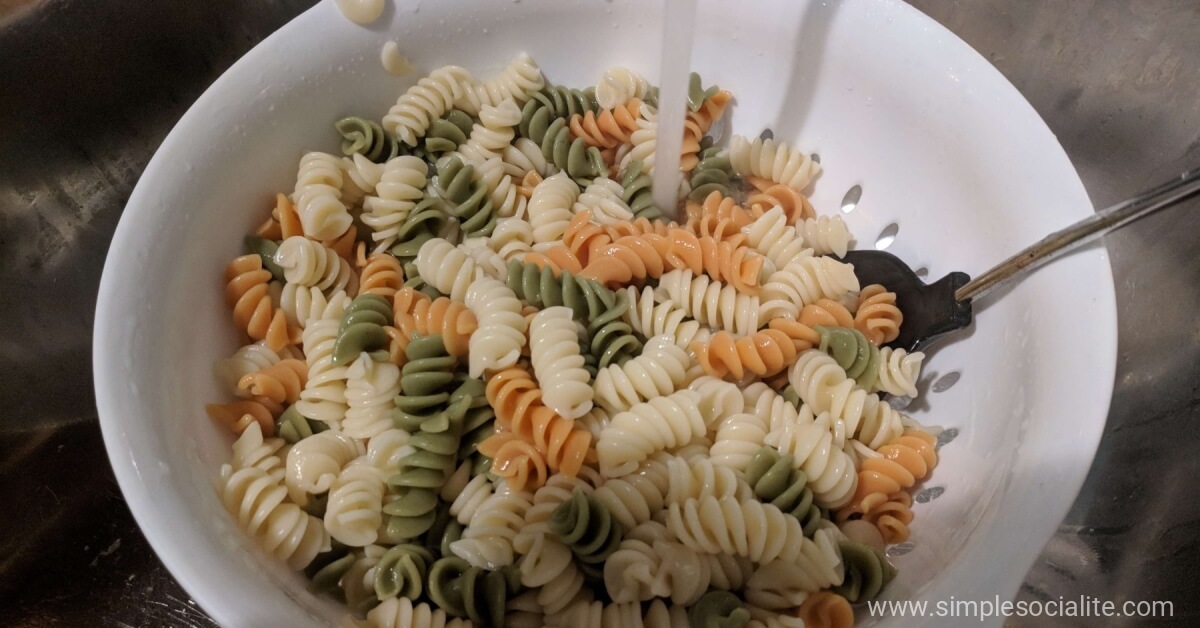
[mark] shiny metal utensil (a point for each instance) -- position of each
(931, 310)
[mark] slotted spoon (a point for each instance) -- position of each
(932, 310)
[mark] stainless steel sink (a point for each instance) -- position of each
(90, 89)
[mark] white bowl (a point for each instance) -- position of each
(942, 144)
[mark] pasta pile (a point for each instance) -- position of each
(488, 384)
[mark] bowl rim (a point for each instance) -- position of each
(114, 396)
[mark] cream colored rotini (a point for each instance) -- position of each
(371, 388)
(602, 197)
(772, 160)
(546, 562)
(803, 282)
(779, 242)
(502, 189)
(402, 613)
(699, 478)
(758, 531)
(400, 188)
(446, 268)
(642, 141)
(511, 239)
(425, 102)
(311, 264)
(711, 303)
(813, 445)
(492, 134)
(252, 450)
(525, 156)
(488, 538)
(359, 178)
(550, 208)
(634, 497)
(496, 344)
(466, 503)
(589, 614)
(353, 513)
(823, 385)
(315, 462)
(518, 81)
(660, 370)
(666, 318)
(655, 425)
(786, 584)
(618, 86)
(385, 449)
(259, 503)
(301, 304)
(898, 372)
(486, 260)
(324, 395)
(825, 235)
(318, 197)
(558, 363)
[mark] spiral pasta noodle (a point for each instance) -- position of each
(603, 200)
(517, 82)
(428, 100)
(877, 316)
(620, 85)
(400, 187)
(757, 531)
(655, 425)
(697, 124)
(767, 194)
(763, 353)
(825, 609)
(710, 302)
(370, 390)
(318, 196)
(771, 236)
(353, 514)
(558, 364)
(772, 160)
(550, 208)
(823, 385)
(282, 529)
(665, 318)
(898, 371)
(247, 291)
(825, 235)
(519, 410)
(452, 320)
(660, 370)
(487, 541)
(311, 264)
(380, 274)
(803, 282)
(496, 344)
(611, 127)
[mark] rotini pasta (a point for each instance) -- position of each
(772, 160)
(898, 371)
(428, 100)
(318, 197)
(710, 302)
(803, 282)
(877, 316)
(558, 364)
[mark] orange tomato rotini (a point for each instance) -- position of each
(515, 460)
(717, 208)
(803, 336)
(283, 222)
(768, 194)
(738, 266)
(877, 316)
(826, 312)
(890, 514)
(398, 341)
(609, 128)
(236, 416)
(764, 353)
(380, 273)
(638, 227)
(277, 384)
(826, 609)
(630, 259)
(697, 125)
(414, 312)
(528, 182)
(517, 401)
(343, 244)
(558, 258)
(247, 290)
(584, 237)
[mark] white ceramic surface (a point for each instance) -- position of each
(942, 144)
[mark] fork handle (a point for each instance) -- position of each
(1171, 193)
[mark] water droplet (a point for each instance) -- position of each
(887, 236)
(946, 382)
(851, 199)
(485, 31)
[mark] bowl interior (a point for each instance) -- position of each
(942, 145)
